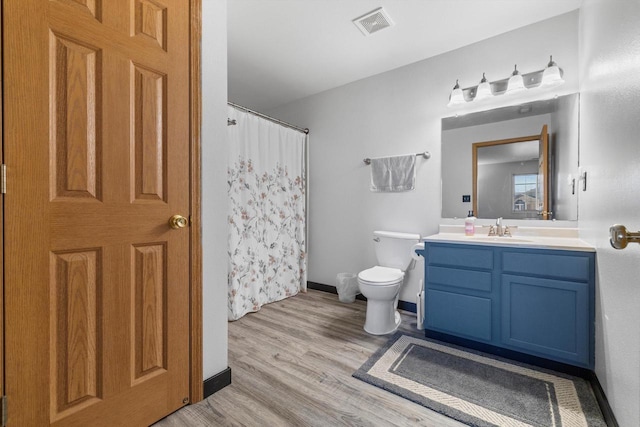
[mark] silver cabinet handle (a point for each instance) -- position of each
(620, 237)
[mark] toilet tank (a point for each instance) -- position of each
(394, 249)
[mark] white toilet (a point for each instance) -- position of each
(381, 284)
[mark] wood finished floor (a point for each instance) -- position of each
(291, 365)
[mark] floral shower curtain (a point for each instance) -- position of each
(267, 203)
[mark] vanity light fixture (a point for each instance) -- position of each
(484, 90)
(549, 77)
(457, 97)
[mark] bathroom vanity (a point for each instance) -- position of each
(529, 294)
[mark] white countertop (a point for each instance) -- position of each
(523, 237)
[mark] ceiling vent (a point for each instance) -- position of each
(373, 21)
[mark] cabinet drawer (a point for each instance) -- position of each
(462, 315)
(460, 257)
(467, 279)
(571, 267)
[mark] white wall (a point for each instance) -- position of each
(394, 113)
(214, 185)
(610, 153)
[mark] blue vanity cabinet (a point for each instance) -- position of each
(534, 301)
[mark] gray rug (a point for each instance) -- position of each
(479, 389)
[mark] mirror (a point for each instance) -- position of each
(518, 162)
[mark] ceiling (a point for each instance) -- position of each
(283, 50)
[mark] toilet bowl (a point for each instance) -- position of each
(381, 287)
(381, 284)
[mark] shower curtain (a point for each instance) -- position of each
(267, 204)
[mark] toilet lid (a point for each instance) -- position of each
(379, 274)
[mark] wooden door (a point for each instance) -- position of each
(543, 173)
(96, 142)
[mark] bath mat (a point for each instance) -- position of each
(480, 389)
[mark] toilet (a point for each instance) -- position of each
(381, 284)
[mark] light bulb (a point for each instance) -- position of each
(516, 83)
(552, 75)
(456, 97)
(484, 90)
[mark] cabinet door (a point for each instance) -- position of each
(548, 318)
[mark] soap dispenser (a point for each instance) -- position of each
(470, 224)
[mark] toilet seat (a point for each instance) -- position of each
(381, 276)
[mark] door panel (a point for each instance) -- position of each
(150, 310)
(150, 19)
(74, 99)
(149, 95)
(96, 139)
(75, 292)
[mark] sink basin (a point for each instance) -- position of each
(497, 239)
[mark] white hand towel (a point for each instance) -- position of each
(393, 174)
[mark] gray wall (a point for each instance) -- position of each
(394, 113)
(610, 153)
(214, 185)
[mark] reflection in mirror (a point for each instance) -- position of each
(511, 177)
(516, 162)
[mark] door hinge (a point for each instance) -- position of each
(3, 179)
(3, 409)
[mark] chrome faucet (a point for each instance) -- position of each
(499, 229)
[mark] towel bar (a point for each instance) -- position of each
(426, 155)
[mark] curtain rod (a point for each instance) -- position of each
(264, 116)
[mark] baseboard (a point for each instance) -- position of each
(603, 402)
(329, 289)
(217, 382)
(320, 287)
(402, 305)
(407, 306)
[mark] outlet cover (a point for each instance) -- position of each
(466, 198)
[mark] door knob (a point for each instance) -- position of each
(620, 237)
(178, 221)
